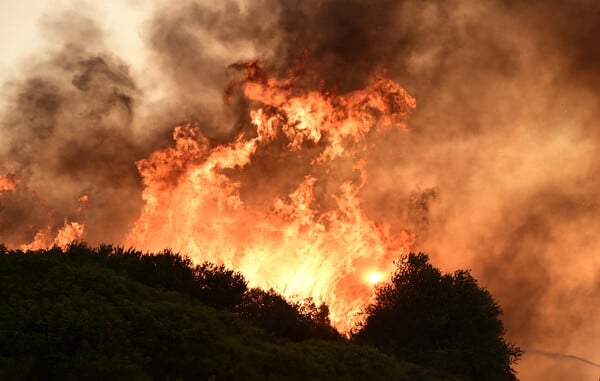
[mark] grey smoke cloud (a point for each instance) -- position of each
(68, 131)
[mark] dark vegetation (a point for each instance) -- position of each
(114, 314)
(442, 321)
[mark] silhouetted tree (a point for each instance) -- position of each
(219, 287)
(318, 318)
(295, 321)
(441, 320)
(213, 285)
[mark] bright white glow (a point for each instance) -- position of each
(375, 277)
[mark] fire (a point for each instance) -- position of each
(375, 277)
(301, 230)
(280, 202)
(8, 183)
(69, 232)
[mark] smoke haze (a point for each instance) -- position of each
(497, 171)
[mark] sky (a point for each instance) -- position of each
(21, 34)
(497, 173)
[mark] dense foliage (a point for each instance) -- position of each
(444, 321)
(111, 313)
(212, 285)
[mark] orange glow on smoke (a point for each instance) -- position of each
(291, 242)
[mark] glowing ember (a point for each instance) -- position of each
(305, 235)
(82, 202)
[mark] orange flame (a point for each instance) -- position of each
(8, 183)
(293, 243)
(69, 232)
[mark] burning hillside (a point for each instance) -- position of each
(309, 168)
(280, 202)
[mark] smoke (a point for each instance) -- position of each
(68, 130)
(497, 172)
(506, 134)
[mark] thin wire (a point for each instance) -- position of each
(558, 355)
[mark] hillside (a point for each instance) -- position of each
(80, 314)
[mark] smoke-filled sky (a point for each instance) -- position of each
(497, 171)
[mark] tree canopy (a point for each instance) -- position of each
(111, 313)
(114, 314)
(445, 321)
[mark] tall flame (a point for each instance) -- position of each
(312, 241)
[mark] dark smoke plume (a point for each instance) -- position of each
(69, 131)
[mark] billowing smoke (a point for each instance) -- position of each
(497, 171)
(67, 133)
